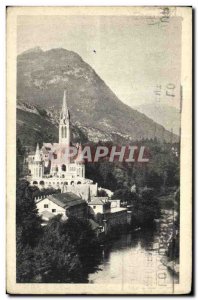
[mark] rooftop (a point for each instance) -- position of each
(117, 209)
(66, 199)
(98, 200)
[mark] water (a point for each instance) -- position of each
(133, 259)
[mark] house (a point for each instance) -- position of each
(111, 213)
(99, 205)
(67, 204)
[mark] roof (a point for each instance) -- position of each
(96, 201)
(117, 209)
(64, 199)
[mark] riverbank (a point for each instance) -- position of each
(168, 234)
(171, 265)
(129, 259)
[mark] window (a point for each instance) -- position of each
(94, 207)
(63, 168)
(45, 205)
(53, 210)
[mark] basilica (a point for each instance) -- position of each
(52, 166)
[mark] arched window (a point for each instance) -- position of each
(79, 182)
(63, 168)
(35, 182)
(41, 182)
(63, 131)
(72, 182)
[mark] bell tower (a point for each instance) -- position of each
(64, 130)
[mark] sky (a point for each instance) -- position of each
(136, 60)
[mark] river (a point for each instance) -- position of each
(133, 259)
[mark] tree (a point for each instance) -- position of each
(125, 195)
(85, 241)
(145, 209)
(102, 193)
(28, 231)
(67, 251)
(154, 180)
(19, 158)
(56, 258)
(27, 218)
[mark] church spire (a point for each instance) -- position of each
(37, 156)
(64, 130)
(65, 111)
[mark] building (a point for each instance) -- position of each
(108, 212)
(85, 191)
(52, 166)
(99, 205)
(66, 204)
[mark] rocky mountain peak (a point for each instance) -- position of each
(42, 77)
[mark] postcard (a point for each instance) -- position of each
(99, 150)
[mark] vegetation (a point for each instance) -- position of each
(67, 251)
(160, 173)
(62, 251)
(20, 153)
(145, 208)
(173, 249)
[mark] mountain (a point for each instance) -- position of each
(35, 124)
(165, 115)
(95, 109)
